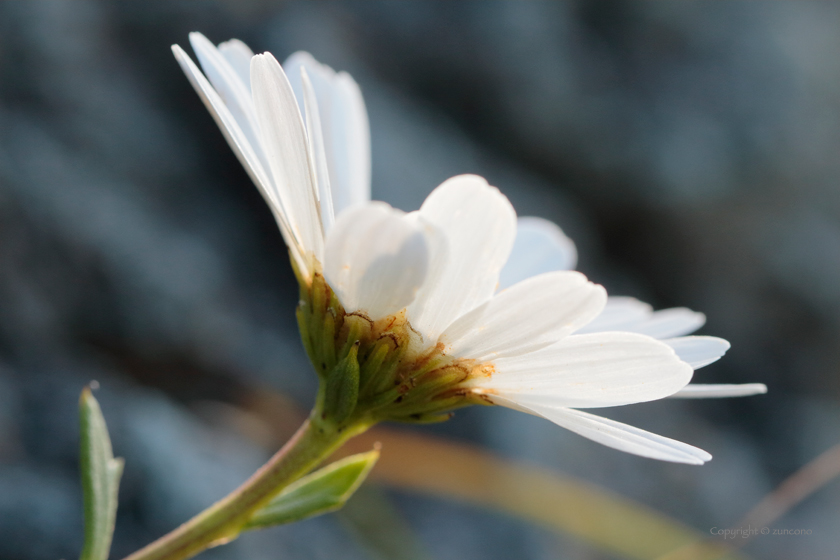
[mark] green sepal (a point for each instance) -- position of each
(410, 412)
(356, 326)
(342, 389)
(425, 418)
(301, 314)
(100, 479)
(373, 363)
(328, 341)
(323, 491)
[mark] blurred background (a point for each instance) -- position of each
(690, 149)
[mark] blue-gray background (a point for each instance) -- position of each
(692, 150)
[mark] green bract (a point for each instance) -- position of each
(377, 370)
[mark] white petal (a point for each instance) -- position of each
(698, 351)
(702, 391)
(618, 312)
(540, 246)
(238, 55)
(589, 371)
(346, 130)
(619, 436)
(286, 146)
(479, 225)
(231, 89)
(316, 148)
(532, 314)
(242, 148)
(376, 259)
(668, 323)
(632, 315)
(351, 143)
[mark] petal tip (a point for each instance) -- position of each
(199, 41)
(700, 460)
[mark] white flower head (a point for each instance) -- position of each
(406, 309)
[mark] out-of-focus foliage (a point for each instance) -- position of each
(690, 150)
(602, 519)
(379, 527)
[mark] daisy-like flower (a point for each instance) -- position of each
(402, 314)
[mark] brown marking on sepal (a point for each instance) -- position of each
(427, 356)
(484, 397)
(393, 338)
(361, 315)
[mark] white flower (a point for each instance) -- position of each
(549, 343)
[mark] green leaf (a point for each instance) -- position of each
(100, 479)
(342, 391)
(323, 491)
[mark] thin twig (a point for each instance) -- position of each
(793, 490)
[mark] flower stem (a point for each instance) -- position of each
(315, 440)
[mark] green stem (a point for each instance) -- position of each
(315, 440)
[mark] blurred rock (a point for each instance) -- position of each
(689, 149)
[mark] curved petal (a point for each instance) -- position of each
(532, 314)
(345, 127)
(244, 151)
(619, 436)
(376, 259)
(631, 315)
(703, 391)
(319, 155)
(668, 323)
(540, 246)
(351, 143)
(239, 56)
(231, 88)
(698, 351)
(479, 225)
(286, 147)
(589, 371)
(618, 312)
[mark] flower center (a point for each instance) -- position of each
(380, 369)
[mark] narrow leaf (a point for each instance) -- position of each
(100, 479)
(323, 491)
